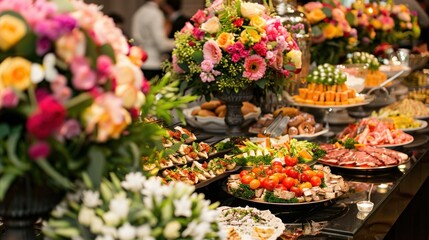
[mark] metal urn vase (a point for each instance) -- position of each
(234, 118)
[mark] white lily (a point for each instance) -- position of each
(91, 199)
(133, 181)
(45, 71)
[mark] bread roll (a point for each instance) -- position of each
(206, 113)
(195, 111)
(211, 105)
(220, 109)
(248, 108)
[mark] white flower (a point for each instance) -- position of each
(144, 231)
(179, 189)
(212, 25)
(96, 225)
(208, 215)
(46, 71)
(172, 230)
(182, 207)
(74, 197)
(127, 232)
(249, 10)
(111, 219)
(120, 205)
(91, 199)
(109, 232)
(104, 238)
(153, 188)
(77, 238)
(196, 230)
(59, 210)
(133, 181)
(85, 216)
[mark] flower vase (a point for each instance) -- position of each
(234, 118)
(23, 205)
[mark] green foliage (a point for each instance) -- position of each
(244, 191)
(270, 197)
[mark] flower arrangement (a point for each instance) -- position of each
(136, 208)
(233, 45)
(333, 37)
(70, 87)
(383, 23)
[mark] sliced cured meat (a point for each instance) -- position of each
(328, 147)
(400, 157)
(348, 158)
(364, 159)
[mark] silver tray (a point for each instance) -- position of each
(368, 169)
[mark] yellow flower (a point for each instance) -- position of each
(225, 39)
(258, 22)
(12, 29)
(249, 10)
(352, 41)
(71, 45)
(296, 58)
(330, 31)
(376, 24)
(372, 33)
(131, 96)
(339, 32)
(212, 25)
(129, 79)
(315, 16)
(249, 35)
(15, 73)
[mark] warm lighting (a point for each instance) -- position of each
(402, 168)
(382, 188)
(370, 11)
(365, 206)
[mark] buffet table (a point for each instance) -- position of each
(398, 195)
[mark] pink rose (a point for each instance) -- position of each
(212, 51)
(9, 99)
(199, 17)
(70, 129)
(47, 118)
(176, 66)
(207, 66)
(312, 6)
(338, 15)
(83, 76)
(188, 28)
(39, 150)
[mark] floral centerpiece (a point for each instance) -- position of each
(333, 37)
(70, 87)
(383, 23)
(136, 208)
(233, 45)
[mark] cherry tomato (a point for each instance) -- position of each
(270, 185)
(285, 169)
(256, 170)
(305, 167)
(304, 177)
(247, 179)
(275, 178)
(291, 161)
(293, 173)
(320, 174)
(281, 176)
(269, 172)
(244, 172)
(297, 191)
(310, 173)
(263, 181)
(288, 182)
(276, 163)
(277, 169)
(315, 181)
(305, 185)
(254, 184)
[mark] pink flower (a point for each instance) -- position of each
(104, 66)
(46, 119)
(235, 57)
(338, 15)
(207, 66)
(216, 6)
(206, 77)
(145, 86)
(260, 49)
(238, 22)
(43, 45)
(60, 91)
(39, 150)
(105, 31)
(212, 51)
(255, 67)
(70, 129)
(188, 28)
(387, 22)
(176, 66)
(197, 33)
(83, 77)
(277, 60)
(199, 17)
(9, 99)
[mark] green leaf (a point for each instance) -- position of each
(63, 5)
(289, 67)
(51, 172)
(327, 11)
(316, 31)
(77, 104)
(26, 47)
(107, 49)
(261, 83)
(198, 56)
(91, 50)
(11, 147)
(350, 17)
(4, 130)
(97, 163)
(5, 182)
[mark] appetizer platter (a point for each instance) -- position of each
(408, 107)
(200, 174)
(355, 156)
(401, 121)
(364, 99)
(300, 125)
(290, 185)
(374, 132)
(210, 116)
(250, 223)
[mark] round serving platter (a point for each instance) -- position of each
(366, 169)
(367, 100)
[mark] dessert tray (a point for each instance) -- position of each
(366, 100)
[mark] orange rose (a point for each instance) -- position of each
(15, 73)
(225, 39)
(315, 16)
(12, 29)
(330, 31)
